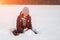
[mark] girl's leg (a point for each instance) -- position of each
(32, 30)
(20, 30)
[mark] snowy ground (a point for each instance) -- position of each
(45, 20)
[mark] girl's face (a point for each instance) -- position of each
(25, 14)
(25, 11)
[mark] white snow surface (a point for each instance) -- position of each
(45, 20)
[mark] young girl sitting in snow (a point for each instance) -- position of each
(23, 22)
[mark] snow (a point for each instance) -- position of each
(45, 20)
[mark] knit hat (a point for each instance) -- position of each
(25, 11)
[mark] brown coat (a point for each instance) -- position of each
(20, 26)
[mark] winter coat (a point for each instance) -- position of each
(19, 24)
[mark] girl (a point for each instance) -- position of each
(23, 22)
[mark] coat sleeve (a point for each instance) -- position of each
(18, 22)
(30, 24)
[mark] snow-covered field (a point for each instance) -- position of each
(45, 20)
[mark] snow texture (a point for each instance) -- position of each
(45, 20)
